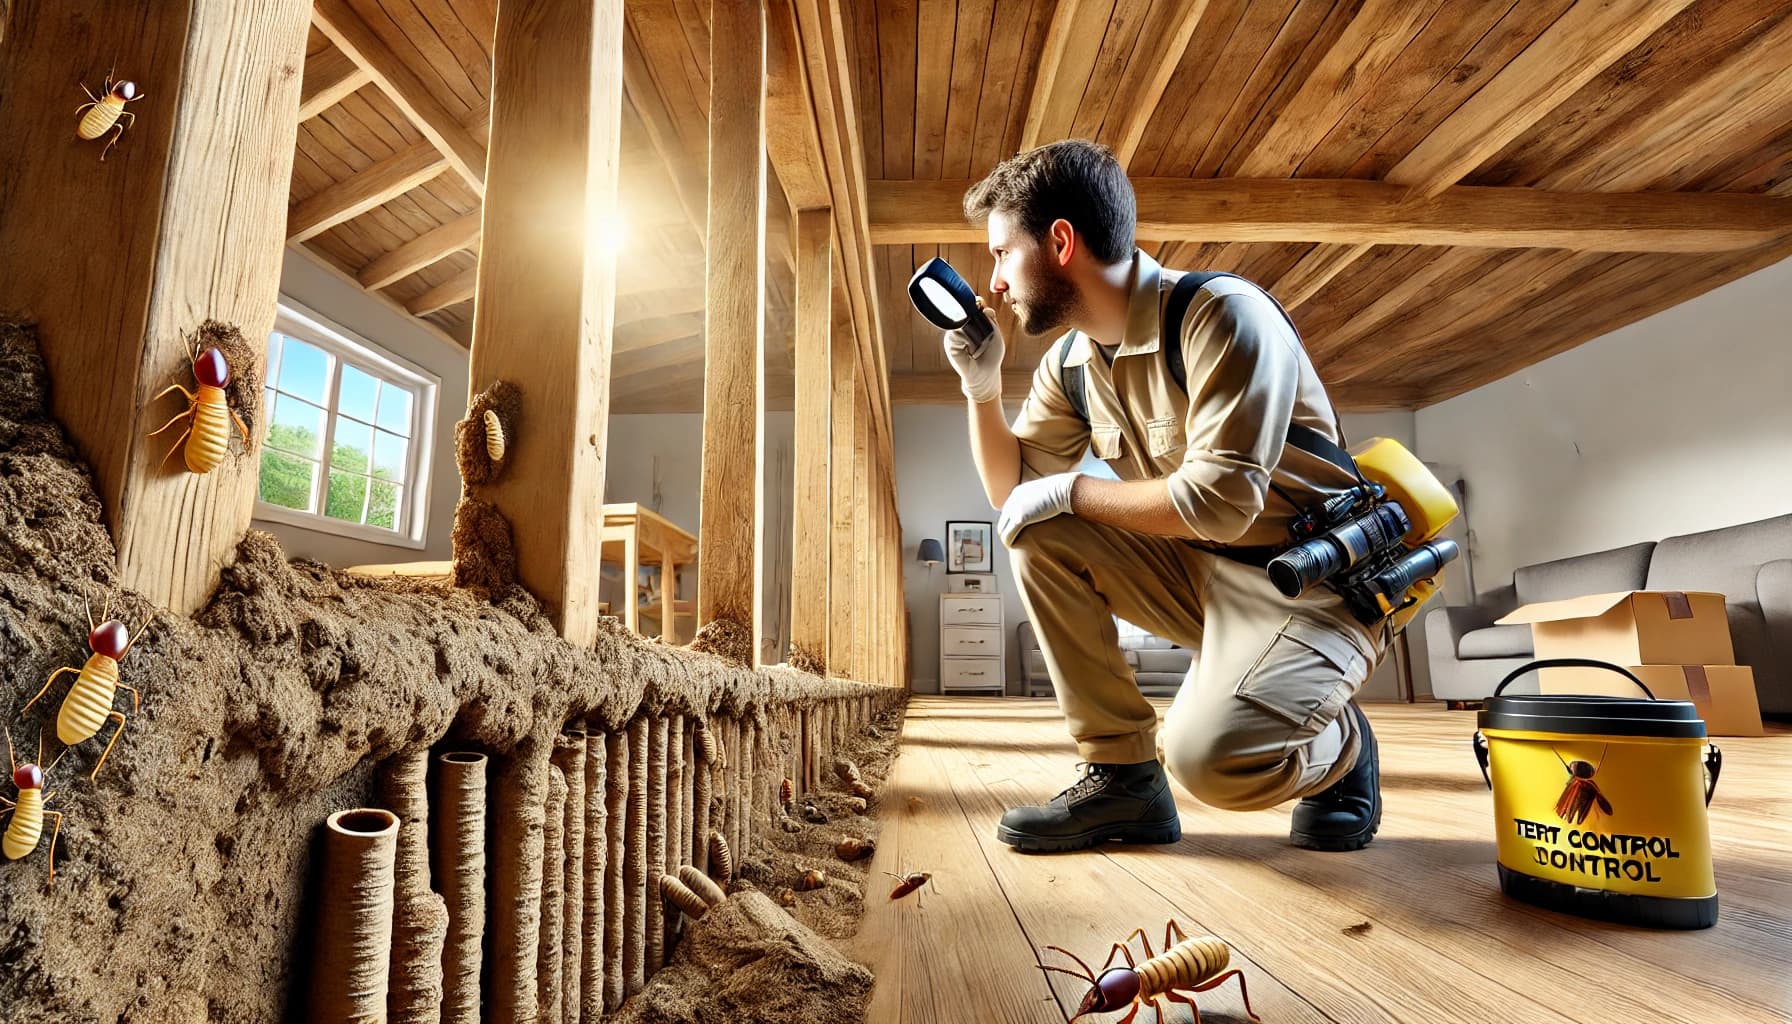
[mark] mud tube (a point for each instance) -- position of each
(458, 868)
(597, 860)
(548, 951)
(420, 917)
(634, 862)
(353, 954)
(569, 757)
(702, 792)
(516, 884)
(675, 800)
(655, 939)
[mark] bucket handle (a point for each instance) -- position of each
(1714, 757)
(1571, 663)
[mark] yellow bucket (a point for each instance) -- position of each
(1599, 803)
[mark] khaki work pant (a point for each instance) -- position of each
(1260, 717)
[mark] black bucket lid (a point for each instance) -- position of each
(1589, 714)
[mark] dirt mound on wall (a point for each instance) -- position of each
(183, 880)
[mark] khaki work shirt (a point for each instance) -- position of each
(1217, 447)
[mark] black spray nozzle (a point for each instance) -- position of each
(948, 302)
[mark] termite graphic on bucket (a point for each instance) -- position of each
(1581, 793)
(1626, 837)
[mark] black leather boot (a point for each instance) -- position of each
(1131, 803)
(1345, 816)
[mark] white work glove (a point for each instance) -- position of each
(1035, 501)
(980, 376)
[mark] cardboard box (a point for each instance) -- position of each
(1632, 627)
(1724, 694)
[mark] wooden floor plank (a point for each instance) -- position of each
(1442, 943)
(956, 953)
(1080, 902)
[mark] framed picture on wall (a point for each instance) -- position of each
(968, 547)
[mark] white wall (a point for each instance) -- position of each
(306, 280)
(1677, 423)
(656, 460)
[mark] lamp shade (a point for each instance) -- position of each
(931, 552)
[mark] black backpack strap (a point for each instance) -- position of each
(1070, 378)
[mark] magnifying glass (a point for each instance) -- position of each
(948, 302)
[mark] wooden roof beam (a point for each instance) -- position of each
(377, 185)
(1584, 41)
(1375, 213)
(330, 76)
(451, 292)
(417, 101)
(425, 250)
(790, 135)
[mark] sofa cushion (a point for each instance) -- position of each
(1728, 562)
(1602, 572)
(1176, 659)
(1496, 642)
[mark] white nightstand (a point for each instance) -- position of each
(971, 643)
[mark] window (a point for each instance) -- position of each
(349, 434)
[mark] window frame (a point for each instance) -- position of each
(345, 347)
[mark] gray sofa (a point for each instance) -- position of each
(1157, 664)
(1750, 564)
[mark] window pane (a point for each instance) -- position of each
(298, 427)
(348, 492)
(303, 370)
(382, 505)
(388, 455)
(286, 480)
(395, 409)
(352, 448)
(354, 396)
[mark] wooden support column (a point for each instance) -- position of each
(865, 663)
(842, 410)
(734, 359)
(546, 287)
(183, 221)
(814, 341)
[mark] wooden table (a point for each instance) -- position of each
(636, 536)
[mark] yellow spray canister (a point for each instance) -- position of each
(1600, 802)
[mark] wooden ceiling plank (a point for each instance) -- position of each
(1192, 109)
(385, 180)
(456, 289)
(970, 53)
(354, 37)
(1162, 44)
(1266, 73)
(1357, 213)
(404, 26)
(426, 249)
(935, 24)
(1693, 129)
(1578, 46)
(1006, 80)
(1435, 54)
(1119, 38)
(898, 59)
(1351, 68)
(1583, 42)
(866, 89)
(329, 76)
(1071, 46)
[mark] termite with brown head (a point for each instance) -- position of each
(89, 702)
(106, 112)
(208, 412)
(29, 812)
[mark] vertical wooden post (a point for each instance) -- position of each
(734, 328)
(814, 330)
(842, 410)
(547, 286)
(865, 662)
(184, 221)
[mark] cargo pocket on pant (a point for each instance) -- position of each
(1305, 676)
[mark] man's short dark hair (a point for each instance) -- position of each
(1077, 180)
